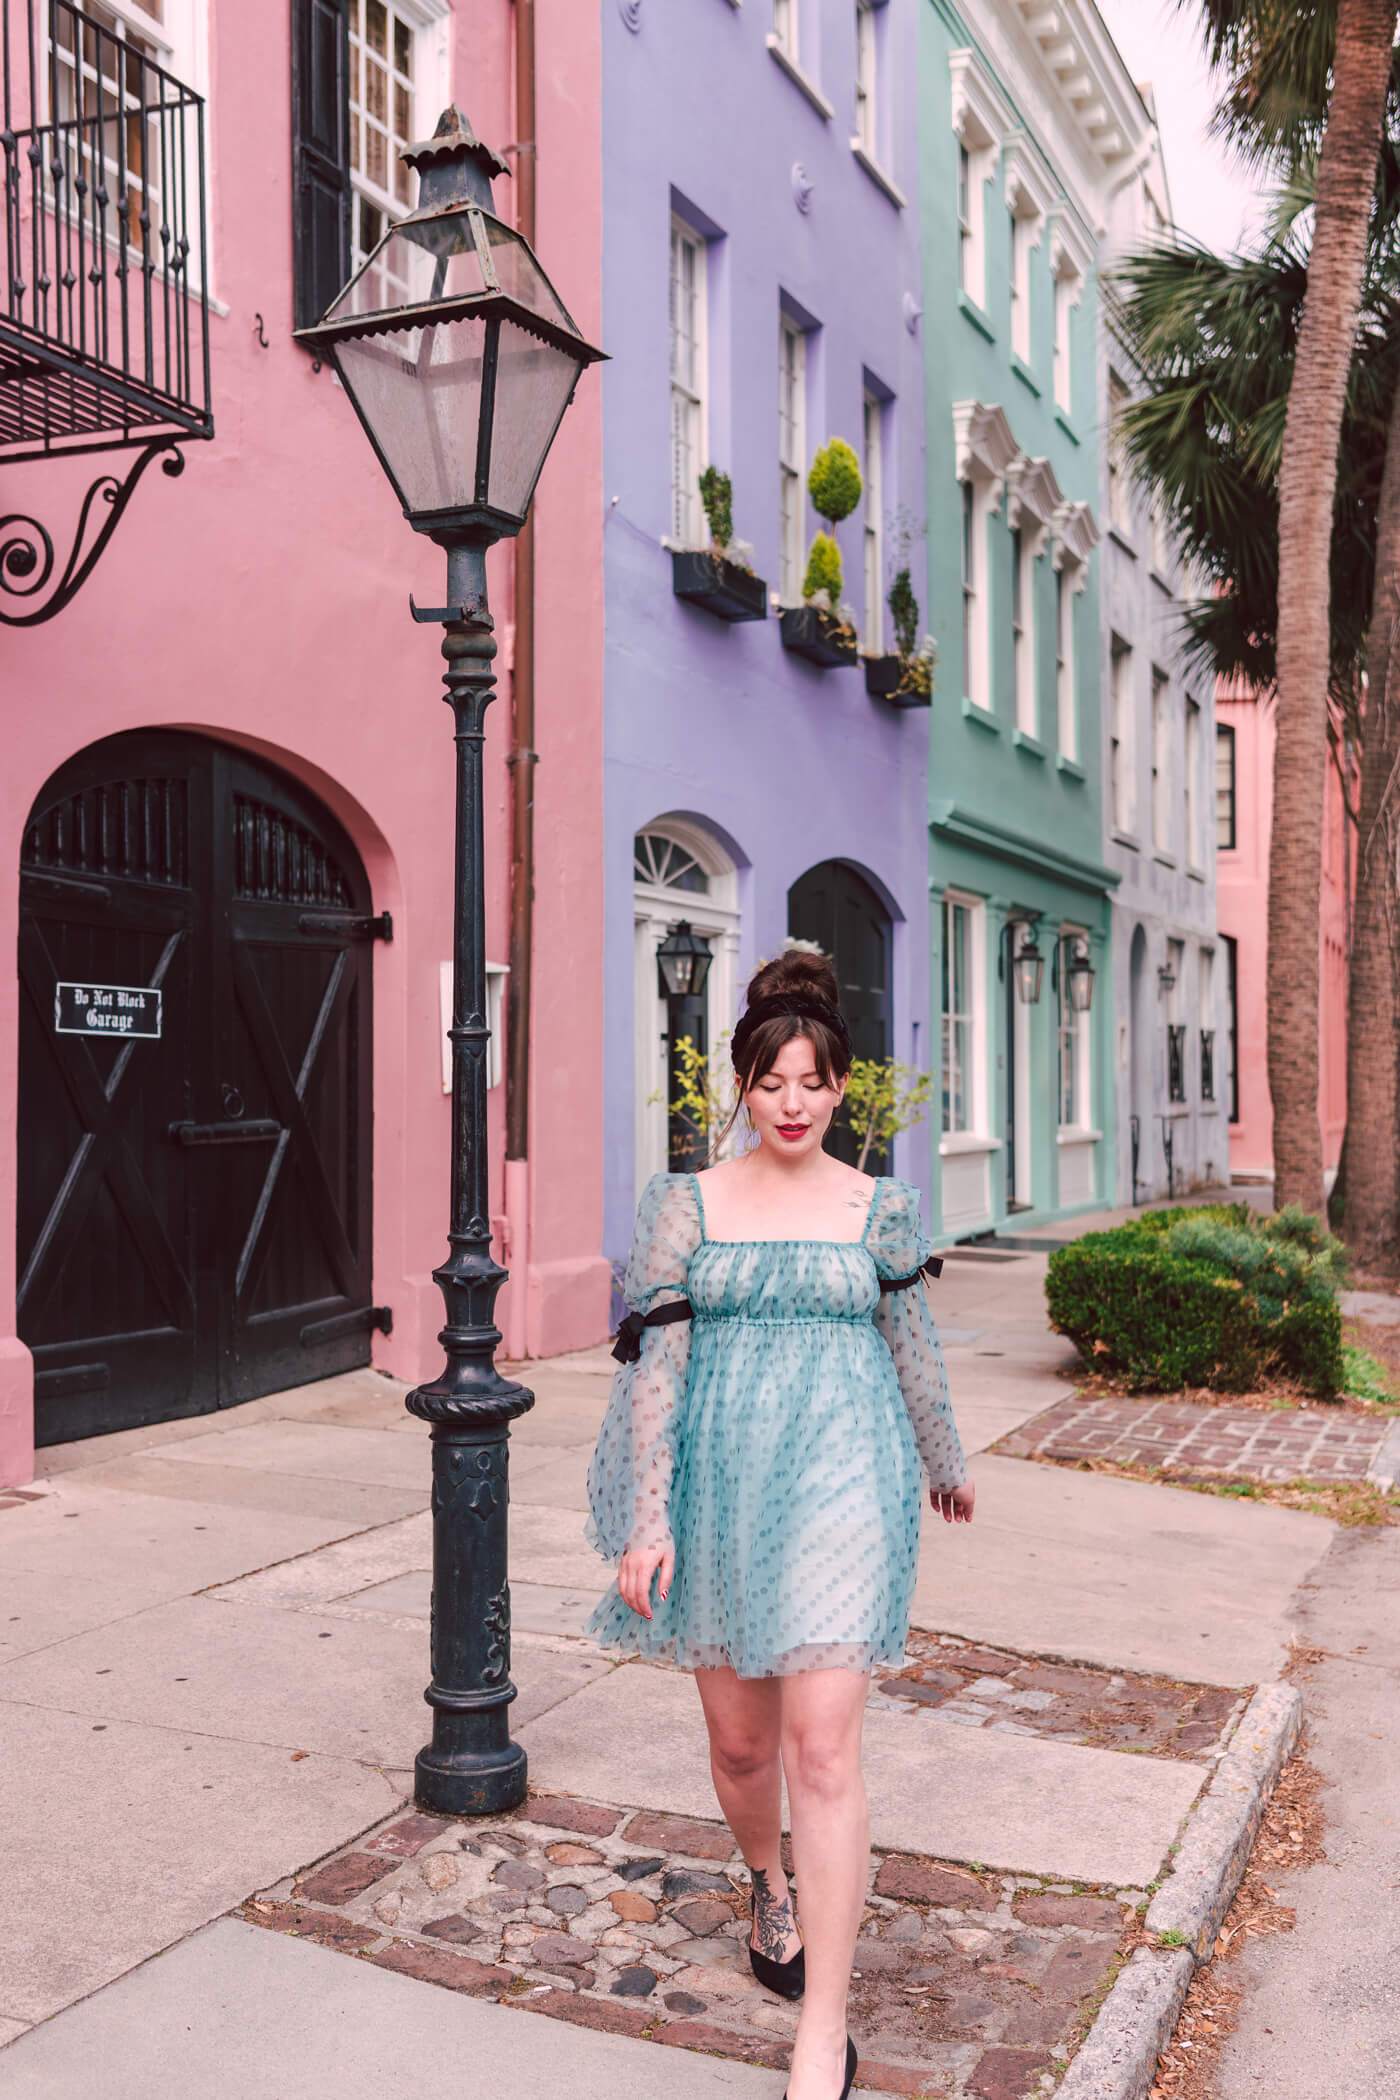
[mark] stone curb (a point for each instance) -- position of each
(1384, 1468)
(1118, 2060)
(1207, 1868)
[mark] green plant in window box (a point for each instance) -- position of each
(918, 656)
(834, 485)
(717, 497)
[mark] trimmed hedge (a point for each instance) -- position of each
(1218, 1297)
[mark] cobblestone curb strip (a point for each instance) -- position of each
(1118, 2060)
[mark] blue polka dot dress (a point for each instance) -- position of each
(776, 1438)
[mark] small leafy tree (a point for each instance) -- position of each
(884, 1097)
(717, 495)
(834, 485)
(705, 1090)
(904, 612)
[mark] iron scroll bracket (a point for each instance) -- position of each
(28, 556)
(446, 615)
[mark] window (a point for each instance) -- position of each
(958, 1031)
(1122, 799)
(1073, 1037)
(1068, 286)
(1022, 663)
(964, 218)
(785, 25)
(1159, 537)
(1020, 304)
(130, 149)
(1161, 762)
(1120, 498)
(867, 112)
(1029, 192)
(381, 124)
(792, 419)
(1176, 1027)
(687, 382)
(1065, 710)
(969, 590)
(1191, 796)
(1232, 1020)
(1224, 789)
(873, 467)
(1206, 967)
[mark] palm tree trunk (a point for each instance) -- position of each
(1346, 181)
(1371, 1155)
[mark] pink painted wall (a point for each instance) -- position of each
(263, 598)
(1243, 892)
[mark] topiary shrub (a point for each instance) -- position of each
(834, 483)
(823, 569)
(1216, 1297)
(717, 496)
(904, 612)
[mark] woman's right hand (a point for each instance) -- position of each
(634, 1577)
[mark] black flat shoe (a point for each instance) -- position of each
(852, 2065)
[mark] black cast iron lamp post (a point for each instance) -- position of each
(460, 360)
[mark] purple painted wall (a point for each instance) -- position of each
(786, 764)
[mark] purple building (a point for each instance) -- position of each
(760, 296)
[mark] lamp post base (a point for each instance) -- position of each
(469, 1782)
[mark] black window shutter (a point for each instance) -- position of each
(320, 155)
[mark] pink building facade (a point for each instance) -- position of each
(1245, 738)
(247, 635)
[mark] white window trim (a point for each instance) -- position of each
(867, 83)
(1033, 500)
(1030, 193)
(977, 1137)
(983, 450)
(981, 120)
(715, 914)
(1071, 253)
(1066, 671)
(792, 471)
(1161, 761)
(1123, 733)
(686, 528)
(873, 411)
(496, 975)
(1081, 1039)
(1120, 480)
(1192, 830)
(431, 23)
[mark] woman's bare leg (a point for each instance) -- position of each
(744, 1719)
(822, 1715)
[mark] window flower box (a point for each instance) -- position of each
(890, 678)
(721, 586)
(819, 636)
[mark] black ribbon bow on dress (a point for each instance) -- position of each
(627, 1342)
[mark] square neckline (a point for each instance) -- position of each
(706, 1241)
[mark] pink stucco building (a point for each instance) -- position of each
(1244, 775)
(284, 778)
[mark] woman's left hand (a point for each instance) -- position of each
(954, 1505)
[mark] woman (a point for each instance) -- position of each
(757, 1477)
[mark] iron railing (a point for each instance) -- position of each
(104, 335)
(1176, 1062)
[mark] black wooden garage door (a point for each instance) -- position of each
(194, 1207)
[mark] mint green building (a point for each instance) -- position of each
(1027, 122)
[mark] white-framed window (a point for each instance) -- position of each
(792, 450)
(973, 653)
(785, 14)
(1161, 761)
(398, 65)
(960, 1033)
(1029, 193)
(867, 80)
(1069, 286)
(981, 120)
(873, 465)
(688, 363)
(1023, 632)
(679, 871)
(1017, 285)
(1159, 538)
(1066, 711)
(1120, 486)
(1121, 782)
(1191, 797)
(1073, 1037)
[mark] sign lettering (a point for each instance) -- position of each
(107, 1009)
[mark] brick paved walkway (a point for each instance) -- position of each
(966, 1984)
(1303, 1443)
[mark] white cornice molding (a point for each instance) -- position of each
(1033, 500)
(981, 115)
(1075, 536)
(1031, 190)
(1076, 52)
(983, 446)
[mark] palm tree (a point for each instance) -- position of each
(1274, 52)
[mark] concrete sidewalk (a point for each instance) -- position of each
(214, 1641)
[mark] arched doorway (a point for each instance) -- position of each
(837, 908)
(195, 1092)
(680, 873)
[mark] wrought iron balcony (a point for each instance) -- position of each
(104, 341)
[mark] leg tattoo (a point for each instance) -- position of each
(772, 1916)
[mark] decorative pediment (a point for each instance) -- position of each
(1030, 188)
(981, 116)
(1075, 536)
(983, 445)
(1071, 248)
(1033, 497)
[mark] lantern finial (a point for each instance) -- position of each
(454, 167)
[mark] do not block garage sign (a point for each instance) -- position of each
(107, 1009)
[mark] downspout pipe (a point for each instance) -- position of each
(522, 762)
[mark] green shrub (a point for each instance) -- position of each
(717, 496)
(834, 482)
(823, 569)
(904, 612)
(1217, 1297)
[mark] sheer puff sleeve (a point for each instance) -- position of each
(899, 1244)
(629, 1479)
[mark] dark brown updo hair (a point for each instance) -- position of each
(794, 995)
